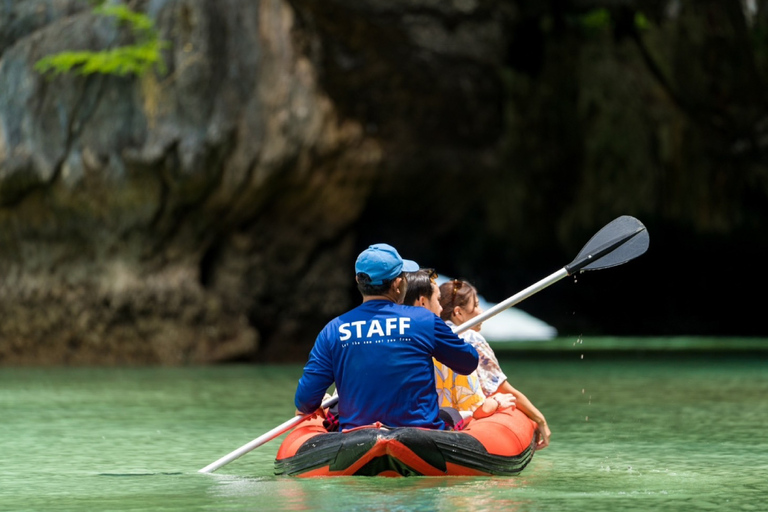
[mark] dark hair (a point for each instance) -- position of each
(455, 293)
(365, 287)
(419, 284)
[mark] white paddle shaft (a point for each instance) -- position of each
(518, 297)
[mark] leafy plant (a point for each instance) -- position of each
(135, 59)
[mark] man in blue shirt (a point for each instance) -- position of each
(380, 353)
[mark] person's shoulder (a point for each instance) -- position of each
(473, 337)
(352, 314)
(331, 326)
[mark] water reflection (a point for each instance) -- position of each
(663, 434)
(353, 493)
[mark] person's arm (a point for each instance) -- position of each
(494, 403)
(453, 351)
(316, 379)
(488, 369)
(527, 407)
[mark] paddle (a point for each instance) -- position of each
(621, 240)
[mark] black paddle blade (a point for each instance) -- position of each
(619, 241)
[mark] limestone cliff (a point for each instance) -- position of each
(163, 218)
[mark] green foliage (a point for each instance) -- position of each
(140, 23)
(641, 22)
(135, 59)
(599, 19)
(596, 19)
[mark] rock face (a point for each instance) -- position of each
(212, 211)
(161, 219)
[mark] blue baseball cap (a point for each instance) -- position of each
(382, 262)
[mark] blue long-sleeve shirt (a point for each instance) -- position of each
(380, 357)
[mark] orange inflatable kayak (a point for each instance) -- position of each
(502, 444)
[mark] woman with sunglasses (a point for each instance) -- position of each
(460, 303)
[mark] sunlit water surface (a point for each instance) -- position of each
(635, 432)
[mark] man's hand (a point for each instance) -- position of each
(320, 412)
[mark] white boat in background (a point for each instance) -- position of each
(512, 324)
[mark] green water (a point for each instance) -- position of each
(676, 431)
